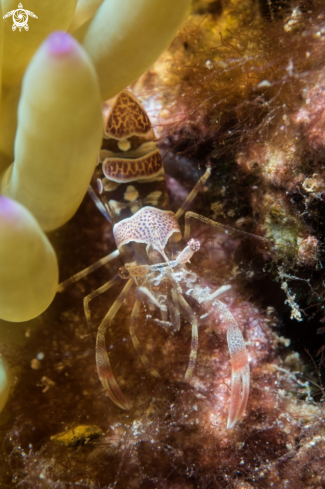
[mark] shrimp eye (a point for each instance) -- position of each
(194, 244)
(124, 272)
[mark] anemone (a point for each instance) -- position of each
(55, 141)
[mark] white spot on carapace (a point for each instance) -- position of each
(110, 186)
(131, 193)
(124, 145)
(116, 206)
(153, 197)
(134, 209)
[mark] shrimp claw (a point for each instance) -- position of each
(239, 366)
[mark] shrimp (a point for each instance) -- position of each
(132, 195)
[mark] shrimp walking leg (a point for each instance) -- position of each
(98, 203)
(215, 224)
(135, 341)
(86, 271)
(104, 368)
(95, 294)
(191, 196)
(194, 337)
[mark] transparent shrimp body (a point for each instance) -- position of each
(159, 231)
(132, 195)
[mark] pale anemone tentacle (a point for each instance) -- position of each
(131, 39)
(1, 45)
(85, 10)
(29, 269)
(121, 46)
(8, 124)
(59, 132)
(28, 274)
(17, 53)
(54, 191)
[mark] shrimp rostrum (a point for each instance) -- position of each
(132, 195)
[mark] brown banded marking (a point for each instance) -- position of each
(122, 170)
(129, 154)
(127, 118)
